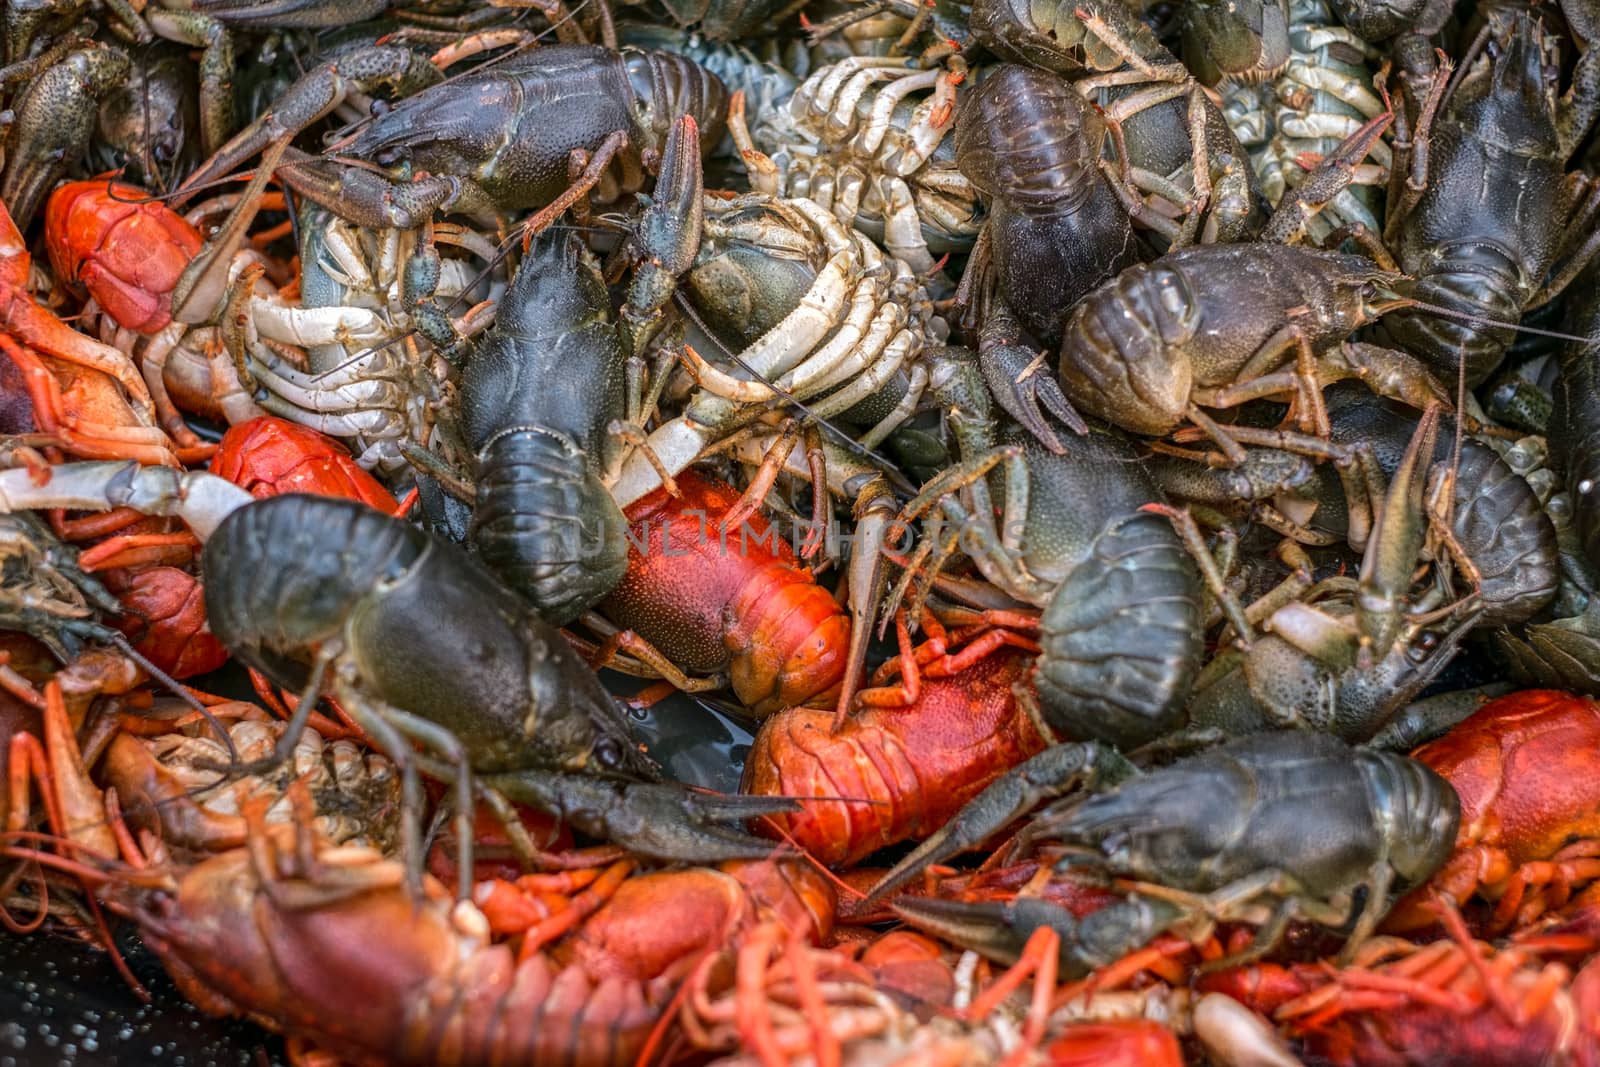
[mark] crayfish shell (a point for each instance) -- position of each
(355, 792)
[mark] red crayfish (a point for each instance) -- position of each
(329, 946)
(910, 760)
(128, 251)
(1530, 809)
(1449, 1002)
(87, 395)
(712, 585)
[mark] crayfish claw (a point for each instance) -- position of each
(1020, 380)
(995, 929)
(1056, 771)
(656, 820)
(1001, 930)
(666, 821)
(667, 235)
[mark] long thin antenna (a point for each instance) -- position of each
(1479, 320)
(181, 692)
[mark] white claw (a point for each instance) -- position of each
(1235, 1036)
(201, 500)
(348, 267)
(850, 185)
(861, 321)
(470, 922)
(839, 138)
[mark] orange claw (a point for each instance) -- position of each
(934, 658)
(578, 909)
(78, 804)
(945, 109)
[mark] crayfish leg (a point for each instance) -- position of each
(394, 731)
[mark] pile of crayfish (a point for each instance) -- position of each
(810, 531)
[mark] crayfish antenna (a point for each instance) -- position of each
(1479, 320)
(180, 691)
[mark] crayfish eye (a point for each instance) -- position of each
(608, 753)
(1423, 647)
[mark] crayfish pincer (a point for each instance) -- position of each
(1263, 830)
(1232, 823)
(497, 138)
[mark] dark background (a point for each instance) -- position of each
(63, 1002)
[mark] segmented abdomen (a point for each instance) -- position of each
(670, 85)
(788, 638)
(891, 774)
(546, 524)
(1027, 138)
(1483, 284)
(1507, 535)
(1120, 640)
